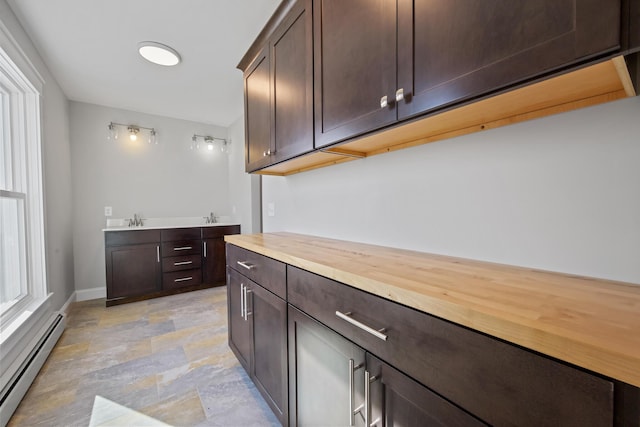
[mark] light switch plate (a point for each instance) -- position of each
(108, 211)
(271, 209)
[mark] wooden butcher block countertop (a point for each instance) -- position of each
(589, 322)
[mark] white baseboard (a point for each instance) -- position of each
(65, 307)
(93, 293)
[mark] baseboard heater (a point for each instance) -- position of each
(22, 379)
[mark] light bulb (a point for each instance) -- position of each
(133, 136)
(210, 146)
(153, 139)
(112, 133)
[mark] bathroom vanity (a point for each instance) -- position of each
(148, 262)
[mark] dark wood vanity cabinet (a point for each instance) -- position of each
(143, 264)
(181, 255)
(213, 253)
(279, 93)
(132, 260)
(258, 323)
(370, 73)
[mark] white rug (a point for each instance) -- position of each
(107, 413)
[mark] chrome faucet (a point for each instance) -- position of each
(211, 219)
(136, 221)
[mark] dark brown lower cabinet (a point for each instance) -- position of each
(258, 337)
(213, 253)
(239, 326)
(132, 270)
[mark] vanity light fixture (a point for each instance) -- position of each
(209, 141)
(133, 131)
(159, 53)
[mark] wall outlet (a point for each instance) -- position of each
(271, 209)
(108, 211)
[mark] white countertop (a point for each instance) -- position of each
(120, 224)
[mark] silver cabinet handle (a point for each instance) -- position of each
(378, 333)
(242, 300)
(183, 248)
(247, 313)
(157, 253)
(204, 247)
(246, 265)
(353, 411)
(183, 279)
(383, 102)
(183, 263)
(399, 95)
(368, 379)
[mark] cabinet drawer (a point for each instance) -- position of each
(181, 279)
(183, 247)
(176, 234)
(219, 231)
(267, 272)
(184, 262)
(500, 383)
(117, 238)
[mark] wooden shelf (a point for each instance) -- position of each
(596, 84)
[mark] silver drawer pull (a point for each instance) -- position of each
(183, 263)
(184, 279)
(246, 265)
(183, 248)
(376, 333)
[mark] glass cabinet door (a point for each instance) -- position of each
(326, 375)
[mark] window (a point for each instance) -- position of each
(22, 263)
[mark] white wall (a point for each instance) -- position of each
(163, 180)
(244, 189)
(56, 166)
(560, 193)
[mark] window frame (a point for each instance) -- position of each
(21, 88)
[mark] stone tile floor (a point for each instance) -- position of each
(166, 358)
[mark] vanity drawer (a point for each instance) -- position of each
(219, 231)
(133, 237)
(176, 234)
(183, 262)
(181, 279)
(500, 383)
(267, 272)
(182, 247)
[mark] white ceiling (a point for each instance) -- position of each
(91, 48)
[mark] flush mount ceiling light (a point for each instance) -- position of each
(158, 53)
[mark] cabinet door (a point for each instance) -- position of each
(257, 104)
(132, 270)
(269, 319)
(354, 67)
(213, 261)
(398, 400)
(324, 390)
(292, 71)
(450, 50)
(239, 327)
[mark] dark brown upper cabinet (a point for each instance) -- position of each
(279, 92)
(257, 111)
(452, 50)
(380, 61)
(354, 67)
